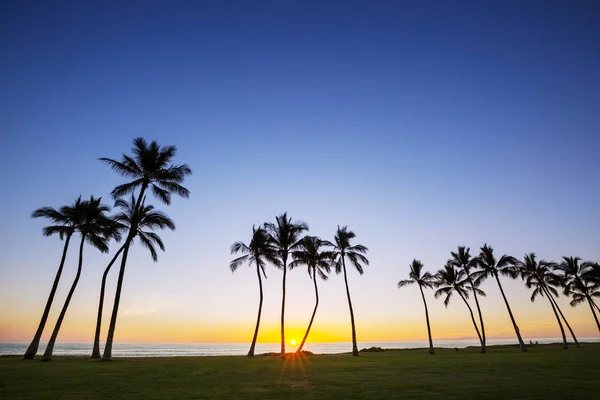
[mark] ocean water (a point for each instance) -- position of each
(233, 349)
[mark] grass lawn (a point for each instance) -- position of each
(545, 372)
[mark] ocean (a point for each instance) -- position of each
(238, 349)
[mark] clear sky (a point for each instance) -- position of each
(421, 125)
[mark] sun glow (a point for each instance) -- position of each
(293, 342)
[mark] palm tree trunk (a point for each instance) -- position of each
(107, 356)
(96, 348)
(299, 351)
(483, 346)
(562, 330)
(33, 347)
(260, 303)
(512, 318)
(283, 309)
(472, 319)
(48, 353)
(431, 350)
(354, 346)
(590, 302)
(564, 319)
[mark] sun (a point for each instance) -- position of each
(293, 342)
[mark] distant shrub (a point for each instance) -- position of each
(372, 350)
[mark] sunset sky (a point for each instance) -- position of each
(421, 125)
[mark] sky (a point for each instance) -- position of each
(421, 126)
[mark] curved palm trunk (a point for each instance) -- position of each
(483, 345)
(354, 346)
(96, 348)
(283, 309)
(260, 303)
(313, 314)
(591, 303)
(473, 319)
(564, 319)
(431, 350)
(107, 356)
(48, 353)
(35, 343)
(512, 318)
(562, 330)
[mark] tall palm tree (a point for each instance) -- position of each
(285, 237)
(95, 227)
(311, 255)
(148, 220)
(462, 259)
(576, 285)
(342, 249)
(489, 267)
(424, 280)
(65, 221)
(539, 276)
(258, 252)
(149, 168)
(450, 280)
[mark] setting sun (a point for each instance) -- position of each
(293, 342)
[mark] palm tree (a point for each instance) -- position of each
(259, 252)
(355, 254)
(462, 259)
(450, 280)
(592, 274)
(576, 285)
(539, 276)
(147, 218)
(424, 280)
(489, 267)
(97, 229)
(319, 262)
(148, 168)
(285, 237)
(65, 222)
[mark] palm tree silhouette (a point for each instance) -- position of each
(462, 259)
(65, 221)
(342, 250)
(539, 276)
(97, 229)
(489, 267)
(450, 280)
(592, 275)
(149, 168)
(319, 262)
(147, 218)
(285, 236)
(259, 252)
(576, 285)
(424, 280)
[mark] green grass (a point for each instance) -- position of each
(545, 372)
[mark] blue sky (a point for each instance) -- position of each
(421, 125)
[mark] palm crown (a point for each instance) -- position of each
(537, 275)
(309, 253)
(450, 280)
(342, 249)
(490, 267)
(150, 167)
(417, 276)
(258, 251)
(284, 235)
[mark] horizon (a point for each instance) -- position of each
(422, 127)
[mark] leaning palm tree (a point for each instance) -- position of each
(424, 280)
(462, 259)
(65, 221)
(96, 228)
(490, 267)
(259, 251)
(450, 280)
(576, 285)
(311, 255)
(148, 220)
(355, 254)
(285, 237)
(149, 168)
(539, 276)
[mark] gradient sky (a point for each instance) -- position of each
(421, 125)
